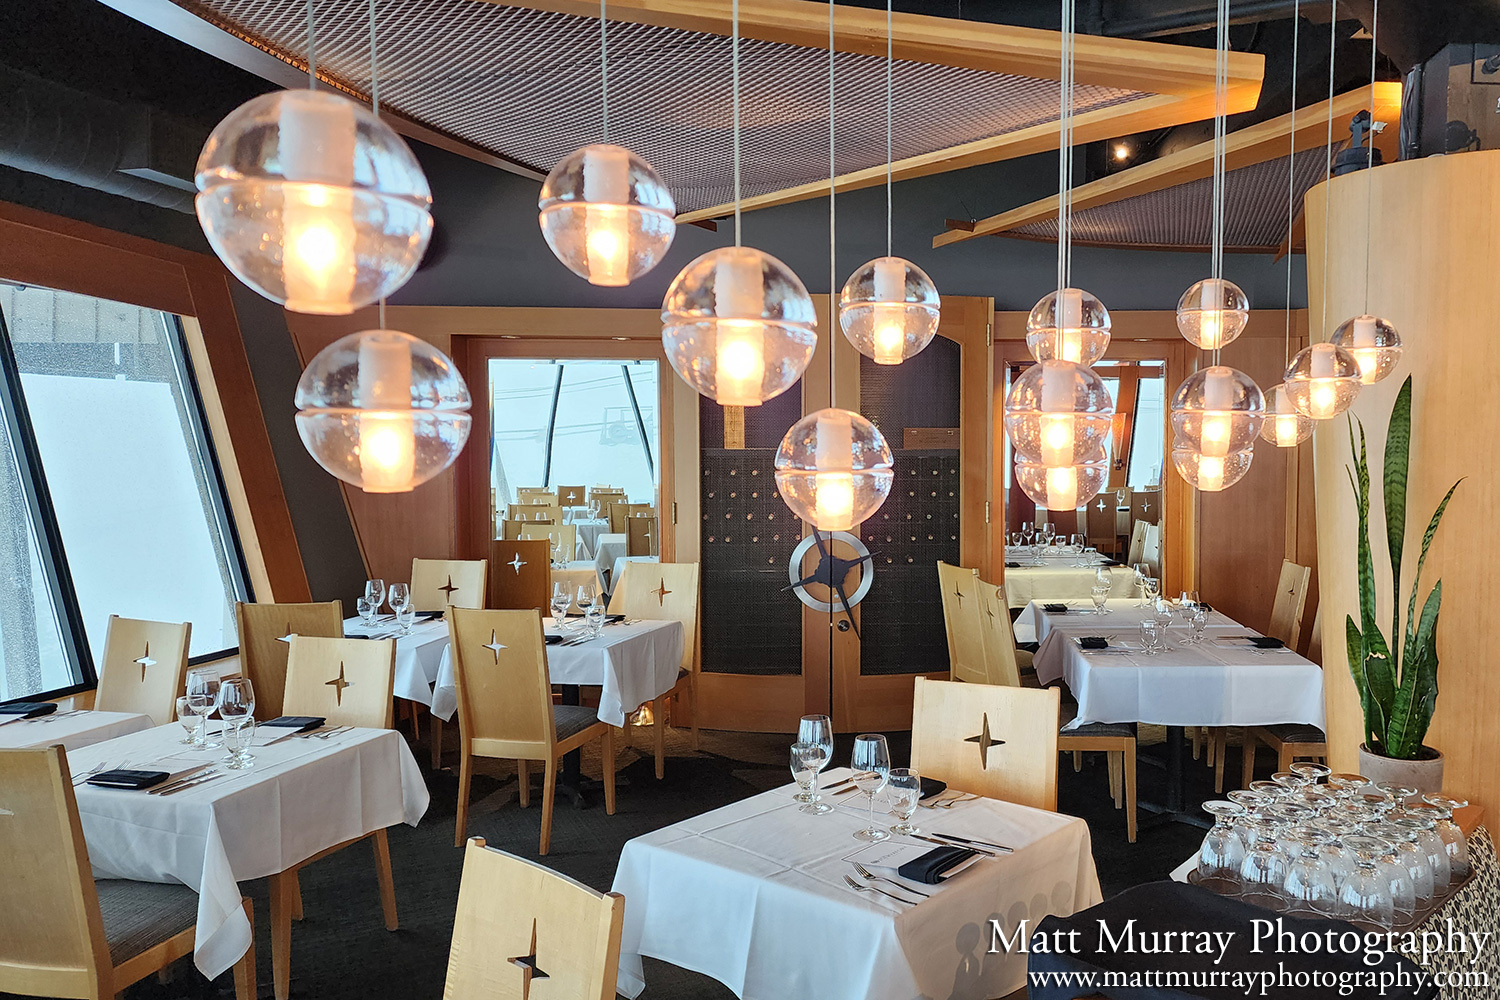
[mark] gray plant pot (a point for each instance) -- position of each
(1425, 776)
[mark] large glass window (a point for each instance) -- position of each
(132, 490)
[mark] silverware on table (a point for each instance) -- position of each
(836, 784)
(846, 791)
(292, 735)
(336, 731)
(99, 768)
(960, 797)
(934, 801)
(202, 780)
(948, 843)
(184, 777)
(966, 842)
(858, 887)
(870, 876)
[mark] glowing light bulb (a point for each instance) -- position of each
(889, 338)
(1062, 488)
(835, 500)
(1057, 441)
(387, 435)
(1213, 329)
(608, 237)
(1323, 399)
(1287, 430)
(1369, 363)
(317, 264)
(1210, 474)
(1216, 431)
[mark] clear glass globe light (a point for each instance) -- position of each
(1216, 411)
(1068, 325)
(738, 326)
(1058, 414)
(1210, 473)
(833, 469)
(607, 215)
(383, 410)
(1323, 381)
(1374, 343)
(889, 310)
(1065, 488)
(1212, 313)
(313, 201)
(1284, 426)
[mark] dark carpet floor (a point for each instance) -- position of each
(341, 950)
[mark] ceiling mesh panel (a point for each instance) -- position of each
(525, 84)
(1254, 209)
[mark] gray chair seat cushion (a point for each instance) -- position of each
(138, 916)
(1296, 732)
(573, 719)
(1114, 730)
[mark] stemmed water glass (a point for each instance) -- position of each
(1452, 834)
(399, 597)
(817, 729)
(188, 717)
(203, 694)
(587, 594)
(1222, 852)
(1410, 856)
(593, 618)
(375, 594)
(1367, 892)
(1263, 872)
(905, 789)
(1424, 820)
(366, 611)
(871, 761)
(1151, 641)
(1100, 595)
(236, 706)
(1142, 573)
(1049, 532)
(807, 760)
(1310, 883)
(562, 599)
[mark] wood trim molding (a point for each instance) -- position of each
(55, 252)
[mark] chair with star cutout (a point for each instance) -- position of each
(143, 667)
(535, 513)
(505, 708)
(961, 621)
(556, 535)
(520, 574)
(264, 630)
(520, 925)
(640, 536)
(348, 682)
(665, 592)
(438, 583)
(990, 740)
(572, 496)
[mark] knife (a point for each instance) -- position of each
(970, 843)
(181, 778)
(294, 732)
(183, 786)
(946, 843)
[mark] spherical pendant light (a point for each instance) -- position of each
(1374, 343)
(1068, 325)
(1217, 411)
(1323, 381)
(1284, 426)
(1059, 414)
(1066, 488)
(383, 410)
(738, 326)
(834, 469)
(889, 310)
(1210, 473)
(313, 201)
(1212, 313)
(607, 215)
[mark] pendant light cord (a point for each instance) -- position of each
(603, 74)
(833, 267)
(1065, 152)
(1291, 184)
(1370, 152)
(1221, 86)
(889, 118)
(1333, 37)
(374, 103)
(312, 50)
(734, 86)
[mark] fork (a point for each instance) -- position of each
(99, 768)
(332, 732)
(937, 802)
(865, 873)
(857, 887)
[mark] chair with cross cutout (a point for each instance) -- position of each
(987, 739)
(438, 583)
(665, 591)
(640, 536)
(518, 922)
(265, 630)
(961, 620)
(571, 496)
(348, 682)
(143, 667)
(557, 536)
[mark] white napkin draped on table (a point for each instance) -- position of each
(74, 730)
(301, 796)
(753, 895)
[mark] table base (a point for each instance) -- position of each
(1174, 809)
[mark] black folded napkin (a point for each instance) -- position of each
(1266, 642)
(128, 779)
(29, 709)
(552, 640)
(1055, 609)
(932, 786)
(1012, 565)
(301, 723)
(1093, 642)
(931, 867)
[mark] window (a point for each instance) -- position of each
(127, 515)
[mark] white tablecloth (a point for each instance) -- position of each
(74, 730)
(1034, 624)
(630, 664)
(610, 547)
(1207, 684)
(1058, 578)
(619, 567)
(753, 895)
(418, 655)
(588, 535)
(300, 797)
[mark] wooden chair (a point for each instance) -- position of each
(1006, 662)
(1151, 549)
(505, 708)
(962, 621)
(1145, 505)
(1291, 602)
(640, 536)
(1101, 524)
(62, 932)
(620, 512)
(606, 495)
(263, 644)
(510, 530)
(665, 591)
(555, 927)
(536, 495)
(348, 682)
(999, 742)
(522, 576)
(571, 496)
(1288, 741)
(555, 534)
(438, 583)
(143, 667)
(1137, 548)
(535, 513)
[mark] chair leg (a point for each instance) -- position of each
(659, 735)
(1247, 756)
(1116, 786)
(609, 770)
(1130, 825)
(383, 876)
(1219, 741)
(296, 893)
(1195, 735)
(435, 736)
(1285, 757)
(465, 772)
(282, 887)
(549, 790)
(244, 969)
(1077, 761)
(523, 779)
(692, 693)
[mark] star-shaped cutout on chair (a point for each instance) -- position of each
(448, 590)
(958, 594)
(527, 964)
(145, 661)
(338, 684)
(286, 633)
(985, 741)
(1101, 503)
(494, 645)
(661, 592)
(517, 563)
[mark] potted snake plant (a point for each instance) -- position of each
(1396, 679)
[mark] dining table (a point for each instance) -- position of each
(74, 729)
(754, 895)
(1041, 573)
(589, 530)
(302, 795)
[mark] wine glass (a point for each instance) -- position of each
(1309, 879)
(1101, 598)
(1197, 622)
(236, 704)
(587, 594)
(1151, 636)
(1189, 599)
(203, 693)
(405, 617)
(1263, 872)
(1222, 851)
(188, 716)
(905, 788)
(1397, 876)
(366, 611)
(562, 599)
(1453, 836)
(1367, 892)
(398, 596)
(1142, 571)
(1049, 532)
(375, 594)
(1410, 855)
(1424, 819)
(807, 760)
(871, 761)
(817, 729)
(593, 618)
(1151, 585)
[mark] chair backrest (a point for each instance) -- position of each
(1151, 549)
(437, 583)
(1101, 523)
(571, 496)
(536, 494)
(263, 649)
(1145, 505)
(606, 495)
(1291, 602)
(504, 694)
(347, 681)
(51, 932)
(991, 740)
(522, 575)
(1315, 640)
(962, 621)
(143, 667)
(510, 530)
(567, 533)
(535, 513)
(620, 512)
(640, 536)
(661, 591)
(518, 921)
(1001, 663)
(1137, 543)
